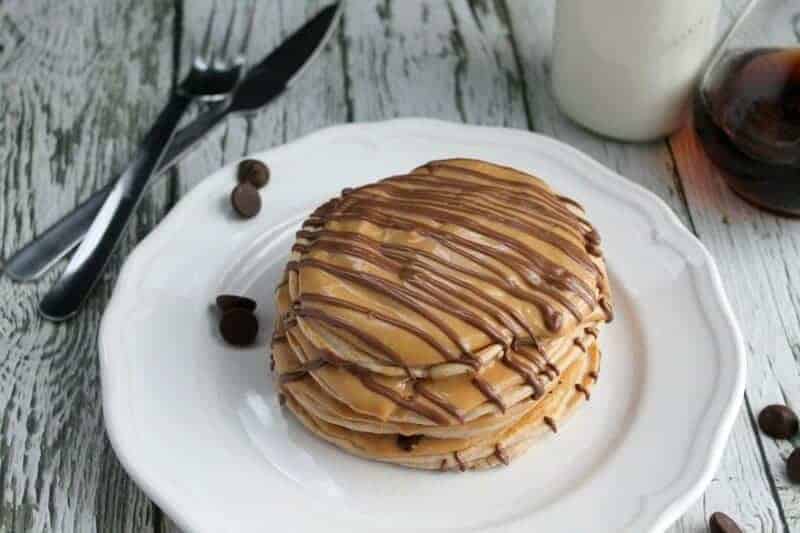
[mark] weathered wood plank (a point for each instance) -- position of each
(449, 60)
(741, 487)
(649, 165)
(317, 100)
(757, 254)
(79, 83)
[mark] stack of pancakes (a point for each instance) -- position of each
(443, 319)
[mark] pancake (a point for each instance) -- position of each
(454, 310)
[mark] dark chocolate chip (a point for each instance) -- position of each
(239, 327)
(253, 172)
(778, 421)
(232, 301)
(408, 442)
(793, 466)
(246, 200)
(722, 523)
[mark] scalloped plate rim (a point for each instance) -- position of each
(667, 228)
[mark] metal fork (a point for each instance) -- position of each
(212, 76)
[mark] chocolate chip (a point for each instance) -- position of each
(232, 301)
(246, 200)
(778, 421)
(254, 172)
(722, 523)
(239, 327)
(793, 466)
(408, 442)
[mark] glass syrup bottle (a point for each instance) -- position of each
(747, 106)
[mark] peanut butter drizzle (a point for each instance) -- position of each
(436, 399)
(451, 204)
(379, 285)
(529, 377)
(501, 454)
(527, 274)
(338, 302)
(539, 196)
(411, 405)
(551, 423)
(328, 358)
(405, 254)
(372, 342)
(301, 372)
(609, 311)
(443, 206)
(531, 189)
(538, 358)
(580, 388)
(461, 465)
(540, 272)
(509, 202)
(488, 391)
(410, 299)
(594, 250)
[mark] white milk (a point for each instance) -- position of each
(625, 68)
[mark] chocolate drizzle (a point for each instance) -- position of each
(300, 372)
(530, 378)
(466, 215)
(551, 423)
(461, 465)
(337, 302)
(410, 404)
(607, 308)
(488, 391)
(367, 339)
(437, 400)
(501, 454)
(580, 388)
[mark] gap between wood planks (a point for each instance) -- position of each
(682, 205)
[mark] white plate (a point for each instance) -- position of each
(197, 425)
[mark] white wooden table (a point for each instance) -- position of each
(80, 80)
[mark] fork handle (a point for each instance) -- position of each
(46, 249)
(91, 258)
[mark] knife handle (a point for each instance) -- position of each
(44, 251)
(86, 267)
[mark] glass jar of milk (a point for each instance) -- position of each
(625, 68)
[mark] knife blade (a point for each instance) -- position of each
(260, 85)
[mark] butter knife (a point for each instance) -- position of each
(259, 86)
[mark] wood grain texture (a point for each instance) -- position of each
(757, 254)
(318, 98)
(81, 80)
(79, 83)
(741, 487)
